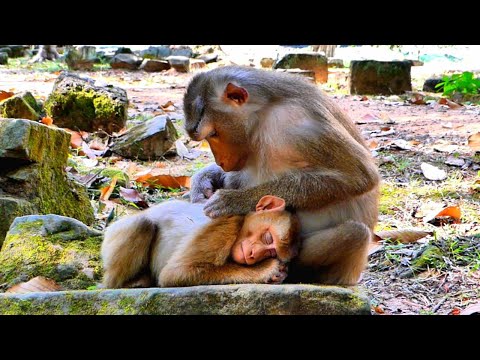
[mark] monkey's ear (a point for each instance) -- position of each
(270, 203)
(235, 94)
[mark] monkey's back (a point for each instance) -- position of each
(177, 222)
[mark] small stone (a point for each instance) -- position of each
(197, 64)
(154, 65)
(125, 61)
(179, 63)
(430, 85)
(454, 161)
(208, 58)
(182, 50)
(267, 63)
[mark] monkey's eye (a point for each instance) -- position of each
(213, 134)
(267, 238)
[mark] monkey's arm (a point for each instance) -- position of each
(267, 271)
(303, 190)
(210, 179)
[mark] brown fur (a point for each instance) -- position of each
(298, 145)
(149, 248)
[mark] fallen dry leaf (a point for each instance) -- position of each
(133, 196)
(37, 284)
(106, 191)
(432, 173)
(379, 310)
(168, 106)
(77, 138)
(472, 309)
(451, 104)
(474, 141)
(402, 144)
(47, 120)
(373, 247)
(372, 144)
(181, 148)
(455, 311)
(5, 95)
(453, 212)
(404, 236)
(157, 177)
(92, 154)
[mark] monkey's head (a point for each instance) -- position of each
(269, 232)
(218, 105)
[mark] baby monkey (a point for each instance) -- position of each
(176, 244)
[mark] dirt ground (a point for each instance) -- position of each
(432, 133)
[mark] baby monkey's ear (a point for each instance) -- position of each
(235, 95)
(270, 203)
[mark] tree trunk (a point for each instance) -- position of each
(46, 52)
(329, 50)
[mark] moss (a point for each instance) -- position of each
(10, 208)
(22, 106)
(26, 254)
(122, 178)
(86, 108)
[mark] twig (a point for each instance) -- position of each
(440, 303)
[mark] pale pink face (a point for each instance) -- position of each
(266, 235)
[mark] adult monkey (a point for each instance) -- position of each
(275, 133)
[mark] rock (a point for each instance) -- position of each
(244, 299)
(77, 103)
(147, 141)
(52, 246)
(123, 50)
(33, 157)
(197, 64)
(10, 208)
(3, 58)
(179, 63)
(305, 61)
(371, 77)
(156, 52)
(267, 63)
(208, 58)
(6, 50)
(21, 106)
(429, 85)
(17, 51)
(416, 62)
(125, 61)
(181, 50)
(154, 65)
(82, 58)
(309, 74)
(335, 63)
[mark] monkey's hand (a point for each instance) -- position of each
(229, 202)
(275, 271)
(206, 182)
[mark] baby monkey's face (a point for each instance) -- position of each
(267, 234)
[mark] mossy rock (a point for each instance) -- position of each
(10, 208)
(20, 106)
(77, 103)
(305, 61)
(53, 246)
(371, 77)
(244, 299)
(33, 158)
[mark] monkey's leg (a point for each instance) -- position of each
(338, 254)
(268, 271)
(126, 250)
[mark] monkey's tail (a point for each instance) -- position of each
(126, 249)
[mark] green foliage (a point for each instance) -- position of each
(463, 83)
